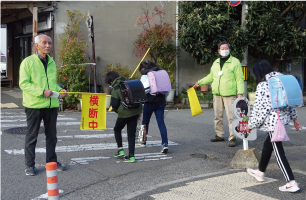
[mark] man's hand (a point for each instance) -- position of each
(247, 128)
(239, 95)
(63, 94)
(196, 84)
(48, 93)
(297, 125)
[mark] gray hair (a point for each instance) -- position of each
(37, 38)
(224, 42)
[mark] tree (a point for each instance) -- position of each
(159, 37)
(73, 57)
(203, 25)
(273, 31)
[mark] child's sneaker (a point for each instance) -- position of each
(290, 187)
(120, 153)
(256, 174)
(164, 148)
(143, 144)
(130, 158)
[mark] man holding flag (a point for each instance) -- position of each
(226, 77)
(40, 93)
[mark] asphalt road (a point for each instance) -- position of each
(93, 172)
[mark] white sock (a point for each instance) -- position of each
(292, 182)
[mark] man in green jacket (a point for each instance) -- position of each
(38, 83)
(227, 84)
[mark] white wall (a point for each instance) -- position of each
(3, 41)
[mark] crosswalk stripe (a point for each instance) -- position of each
(91, 136)
(87, 147)
(23, 120)
(24, 125)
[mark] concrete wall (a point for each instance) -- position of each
(115, 33)
(189, 71)
(113, 27)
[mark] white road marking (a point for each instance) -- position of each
(86, 160)
(148, 157)
(24, 125)
(231, 185)
(45, 196)
(23, 120)
(91, 136)
(18, 116)
(87, 147)
(8, 105)
(12, 113)
(90, 130)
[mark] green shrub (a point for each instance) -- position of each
(122, 71)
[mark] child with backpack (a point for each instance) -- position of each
(126, 116)
(264, 117)
(155, 103)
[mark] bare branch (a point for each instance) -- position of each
(287, 9)
(297, 21)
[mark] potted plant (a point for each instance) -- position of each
(205, 98)
(251, 88)
(183, 96)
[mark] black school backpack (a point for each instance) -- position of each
(133, 93)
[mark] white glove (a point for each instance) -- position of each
(55, 95)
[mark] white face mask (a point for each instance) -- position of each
(224, 52)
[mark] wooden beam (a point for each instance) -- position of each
(35, 17)
(22, 1)
(23, 5)
(15, 17)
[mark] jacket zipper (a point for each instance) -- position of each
(47, 79)
(219, 85)
(220, 79)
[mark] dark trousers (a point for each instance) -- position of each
(131, 124)
(280, 157)
(159, 111)
(34, 117)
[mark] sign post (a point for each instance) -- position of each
(234, 3)
(244, 158)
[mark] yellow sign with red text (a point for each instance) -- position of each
(93, 111)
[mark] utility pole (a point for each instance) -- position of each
(91, 37)
(93, 54)
(244, 62)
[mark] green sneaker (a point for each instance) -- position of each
(130, 158)
(120, 153)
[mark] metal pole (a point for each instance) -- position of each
(93, 54)
(34, 12)
(244, 62)
(245, 145)
(176, 59)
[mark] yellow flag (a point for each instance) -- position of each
(194, 102)
(93, 111)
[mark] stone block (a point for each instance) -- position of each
(245, 159)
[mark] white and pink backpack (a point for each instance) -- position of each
(159, 82)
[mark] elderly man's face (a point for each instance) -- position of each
(45, 45)
(223, 47)
(224, 50)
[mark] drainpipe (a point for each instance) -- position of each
(176, 59)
